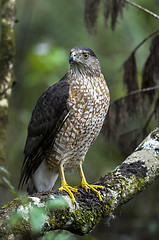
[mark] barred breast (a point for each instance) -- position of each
(88, 104)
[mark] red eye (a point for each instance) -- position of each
(85, 55)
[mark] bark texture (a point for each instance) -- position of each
(7, 51)
(56, 211)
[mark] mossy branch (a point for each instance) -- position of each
(7, 51)
(56, 211)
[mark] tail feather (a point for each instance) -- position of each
(43, 179)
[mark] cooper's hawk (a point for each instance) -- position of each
(65, 121)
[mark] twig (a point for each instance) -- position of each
(151, 115)
(145, 39)
(142, 8)
(139, 45)
(137, 92)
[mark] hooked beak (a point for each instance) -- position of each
(72, 57)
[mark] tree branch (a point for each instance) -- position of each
(7, 51)
(138, 91)
(142, 8)
(128, 179)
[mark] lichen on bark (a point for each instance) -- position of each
(139, 170)
(7, 51)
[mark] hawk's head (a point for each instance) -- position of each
(84, 60)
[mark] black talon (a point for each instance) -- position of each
(82, 192)
(102, 202)
(58, 191)
(89, 190)
(75, 203)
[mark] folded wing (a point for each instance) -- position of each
(48, 116)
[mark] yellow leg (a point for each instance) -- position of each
(64, 186)
(87, 186)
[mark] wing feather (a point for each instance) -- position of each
(48, 116)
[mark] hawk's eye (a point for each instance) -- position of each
(85, 55)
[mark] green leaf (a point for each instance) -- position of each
(15, 218)
(58, 202)
(58, 235)
(38, 217)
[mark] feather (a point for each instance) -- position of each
(48, 116)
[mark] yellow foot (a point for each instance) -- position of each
(94, 188)
(65, 187)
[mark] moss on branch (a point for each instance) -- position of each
(7, 51)
(56, 210)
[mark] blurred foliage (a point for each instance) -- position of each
(37, 213)
(59, 235)
(44, 34)
(112, 9)
(44, 64)
(4, 182)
